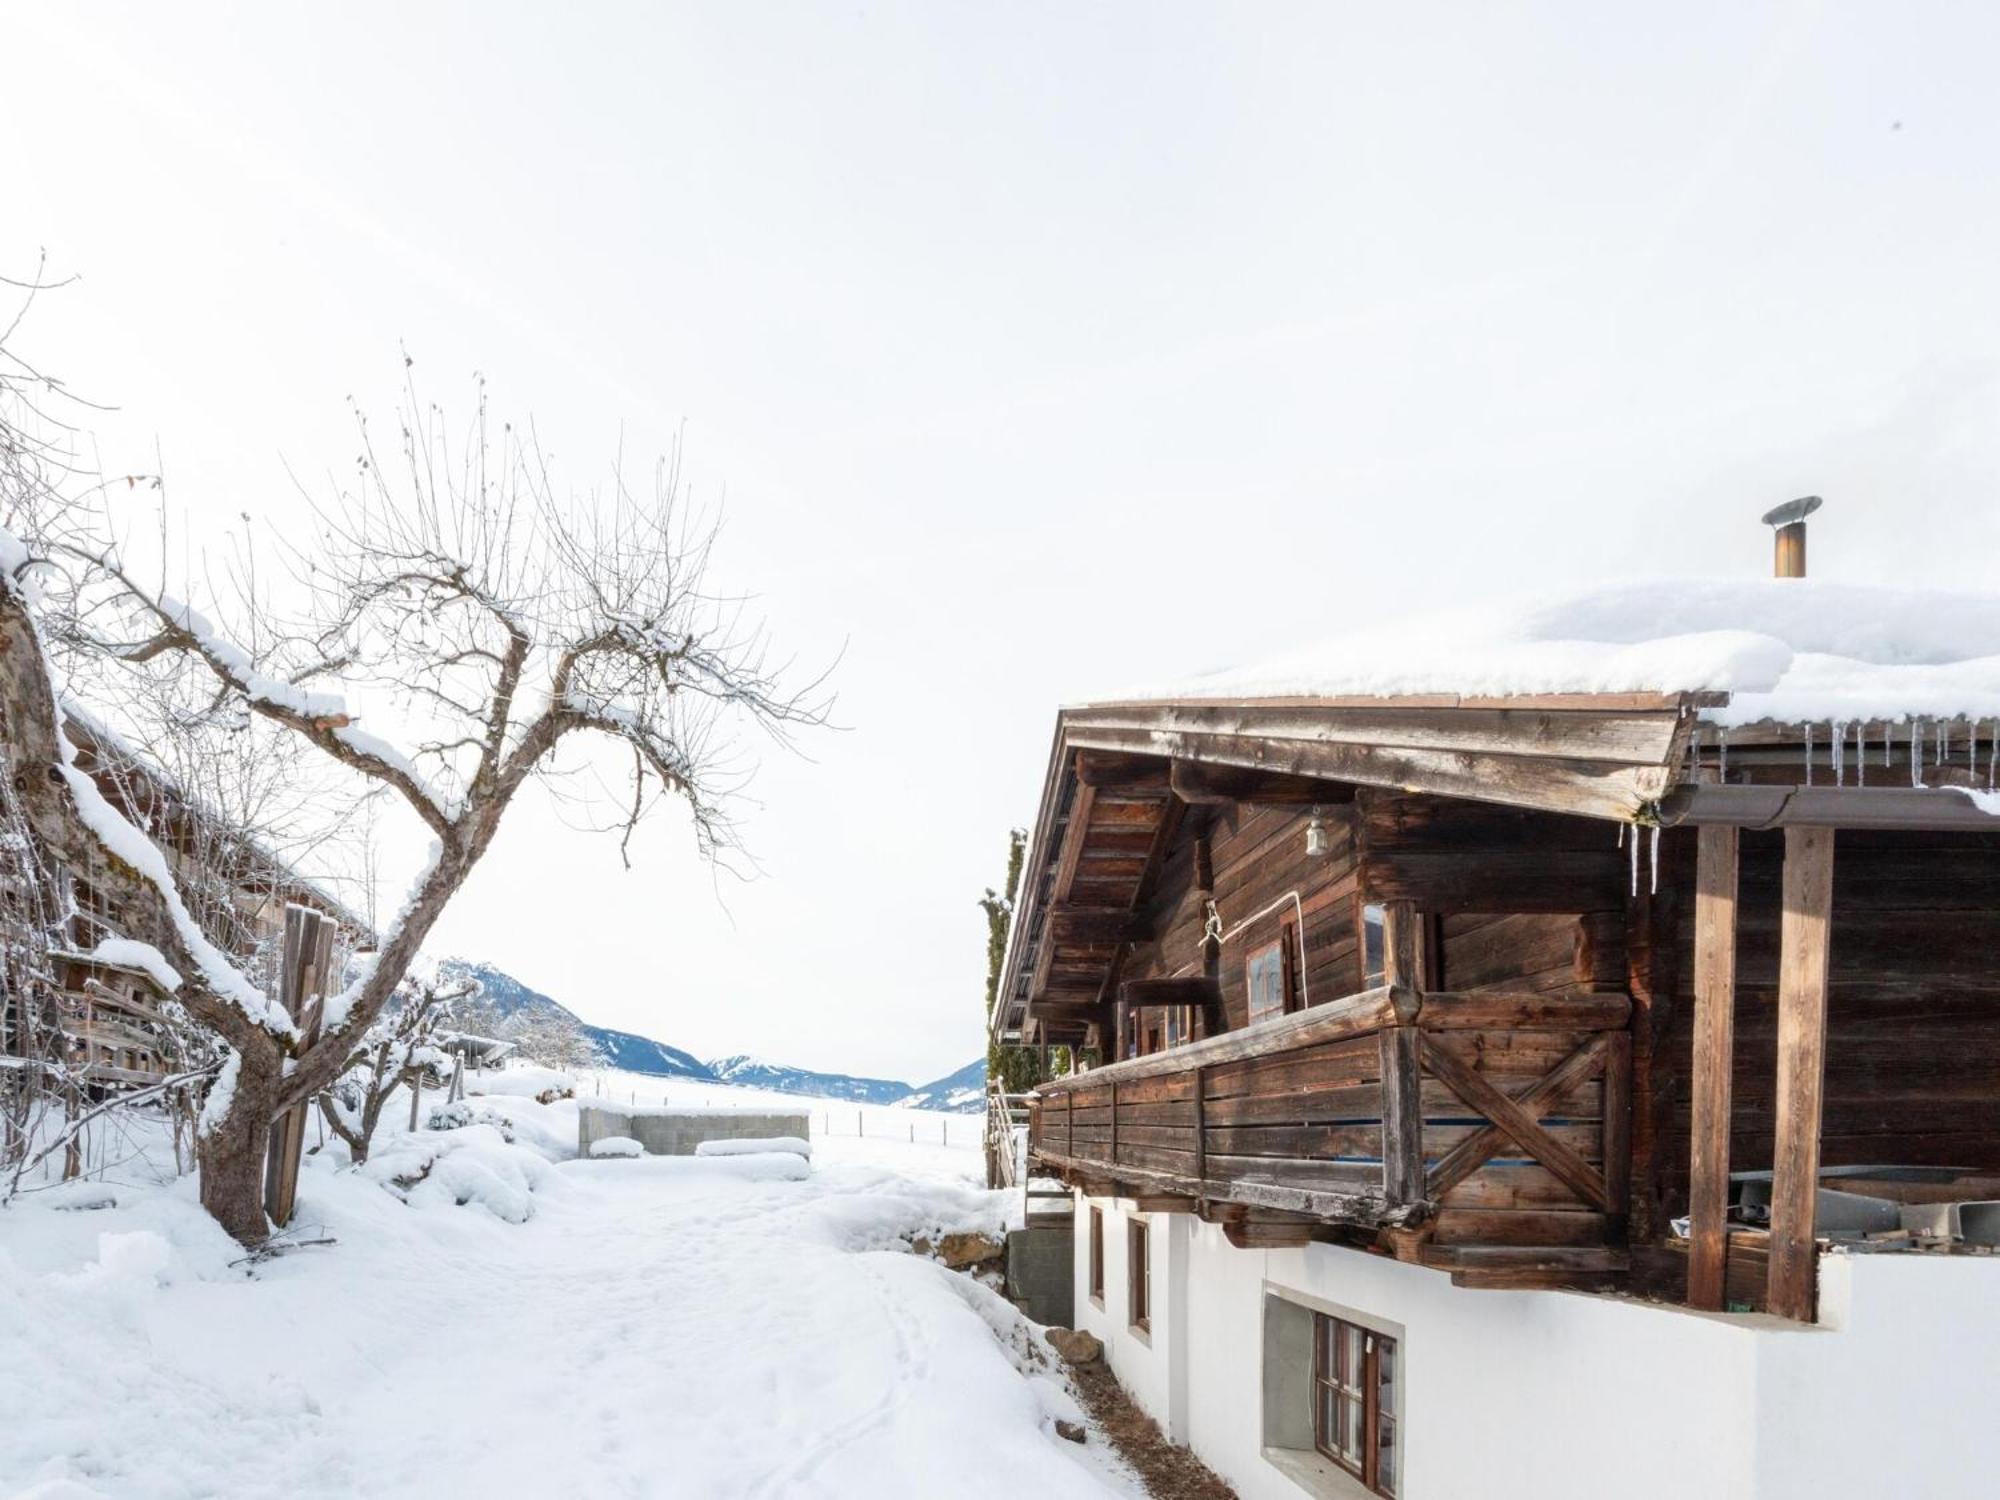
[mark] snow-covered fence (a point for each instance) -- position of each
(670, 1131)
(888, 1124)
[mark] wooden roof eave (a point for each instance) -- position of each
(1555, 755)
(1609, 756)
(1041, 848)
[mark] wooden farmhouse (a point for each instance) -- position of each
(1600, 1065)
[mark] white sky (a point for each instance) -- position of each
(1040, 349)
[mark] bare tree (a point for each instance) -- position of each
(554, 1038)
(491, 623)
(399, 1049)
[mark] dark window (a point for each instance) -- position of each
(1354, 1400)
(1139, 1271)
(1097, 1252)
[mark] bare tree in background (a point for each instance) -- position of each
(399, 1049)
(489, 621)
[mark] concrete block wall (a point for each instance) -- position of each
(670, 1132)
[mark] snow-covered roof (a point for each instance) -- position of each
(1791, 650)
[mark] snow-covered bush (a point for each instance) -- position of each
(463, 1112)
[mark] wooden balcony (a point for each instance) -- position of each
(1489, 1130)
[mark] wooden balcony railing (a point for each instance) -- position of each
(1497, 1118)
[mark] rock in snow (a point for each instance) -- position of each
(617, 1145)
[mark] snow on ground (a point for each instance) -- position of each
(498, 1318)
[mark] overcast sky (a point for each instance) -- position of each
(1040, 349)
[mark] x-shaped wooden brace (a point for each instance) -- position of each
(1518, 1118)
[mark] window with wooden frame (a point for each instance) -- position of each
(1354, 1400)
(1271, 975)
(1139, 1272)
(1097, 1255)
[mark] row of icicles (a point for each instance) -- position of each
(1849, 745)
(1930, 744)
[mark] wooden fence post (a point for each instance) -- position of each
(304, 963)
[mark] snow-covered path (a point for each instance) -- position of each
(659, 1327)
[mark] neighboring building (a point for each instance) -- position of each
(1540, 1060)
(105, 1022)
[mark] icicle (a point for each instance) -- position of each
(1723, 750)
(1656, 859)
(1861, 755)
(1634, 846)
(1972, 747)
(1916, 754)
(1808, 755)
(1621, 835)
(1888, 742)
(1993, 757)
(1944, 742)
(1839, 732)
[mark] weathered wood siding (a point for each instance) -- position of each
(1913, 1010)
(1257, 857)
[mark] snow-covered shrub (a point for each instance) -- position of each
(617, 1145)
(463, 1112)
(470, 1165)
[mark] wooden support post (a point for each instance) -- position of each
(1802, 969)
(1402, 1117)
(1402, 946)
(1714, 1049)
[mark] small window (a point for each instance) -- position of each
(1097, 1255)
(1139, 1272)
(1354, 1400)
(1374, 961)
(1266, 974)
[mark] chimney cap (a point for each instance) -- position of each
(1792, 511)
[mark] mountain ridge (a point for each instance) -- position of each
(960, 1091)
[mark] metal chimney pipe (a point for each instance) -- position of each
(1789, 522)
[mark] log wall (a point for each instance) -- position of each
(1913, 1009)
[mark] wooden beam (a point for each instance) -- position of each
(1351, 1015)
(1116, 770)
(1715, 878)
(1201, 785)
(1162, 1203)
(1093, 924)
(1804, 934)
(1196, 989)
(1402, 1116)
(1543, 1096)
(1470, 1085)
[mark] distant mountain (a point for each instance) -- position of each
(754, 1072)
(963, 1092)
(506, 997)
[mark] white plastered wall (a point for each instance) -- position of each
(1550, 1395)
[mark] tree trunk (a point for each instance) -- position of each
(231, 1152)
